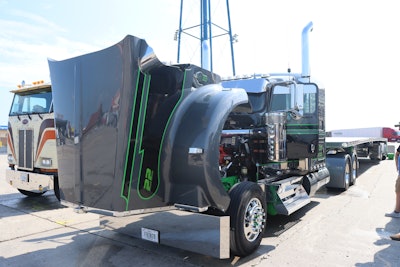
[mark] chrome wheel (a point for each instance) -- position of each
(248, 217)
(254, 219)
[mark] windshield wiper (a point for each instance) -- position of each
(37, 113)
(26, 113)
(14, 113)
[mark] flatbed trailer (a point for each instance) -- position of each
(345, 142)
(342, 154)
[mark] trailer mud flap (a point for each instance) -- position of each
(134, 133)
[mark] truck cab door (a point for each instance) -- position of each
(301, 102)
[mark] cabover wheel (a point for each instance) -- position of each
(31, 194)
(247, 218)
(56, 187)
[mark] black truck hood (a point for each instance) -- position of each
(134, 133)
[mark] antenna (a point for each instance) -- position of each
(206, 35)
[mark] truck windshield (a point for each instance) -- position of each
(31, 103)
(302, 97)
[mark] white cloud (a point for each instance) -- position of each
(26, 42)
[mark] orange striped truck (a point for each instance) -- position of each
(31, 140)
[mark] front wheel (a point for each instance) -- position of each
(247, 218)
(56, 188)
(31, 194)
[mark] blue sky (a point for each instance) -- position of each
(354, 44)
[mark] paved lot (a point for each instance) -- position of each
(336, 229)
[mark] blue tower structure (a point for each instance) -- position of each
(206, 27)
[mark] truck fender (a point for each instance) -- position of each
(339, 167)
(189, 158)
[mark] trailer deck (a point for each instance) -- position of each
(345, 142)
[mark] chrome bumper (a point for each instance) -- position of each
(29, 181)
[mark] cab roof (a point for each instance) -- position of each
(30, 87)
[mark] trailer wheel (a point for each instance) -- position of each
(247, 218)
(30, 194)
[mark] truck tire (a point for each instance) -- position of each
(339, 167)
(354, 169)
(57, 188)
(347, 174)
(247, 218)
(30, 194)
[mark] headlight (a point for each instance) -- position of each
(47, 162)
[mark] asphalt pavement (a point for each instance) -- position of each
(337, 229)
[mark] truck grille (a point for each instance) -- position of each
(25, 151)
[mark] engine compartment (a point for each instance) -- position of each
(255, 154)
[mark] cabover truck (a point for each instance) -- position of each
(31, 140)
(182, 138)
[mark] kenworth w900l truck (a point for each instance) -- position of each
(31, 143)
(242, 148)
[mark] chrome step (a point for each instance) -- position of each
(292, 195)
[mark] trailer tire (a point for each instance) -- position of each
(247, 212)
(30, 194)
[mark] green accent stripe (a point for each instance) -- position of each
(303, 125)
(123, 189)
(140, 131)
(301, 131)
(138, 135)
(126, 192)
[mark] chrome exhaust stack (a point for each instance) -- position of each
(305, 71)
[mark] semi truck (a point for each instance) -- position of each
(243, 148)
(383, 132)
(31, 140)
